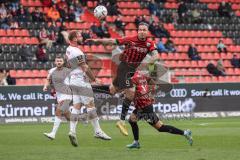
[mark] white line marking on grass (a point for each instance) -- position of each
(203, 124)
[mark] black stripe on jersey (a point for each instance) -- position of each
(133, 57)
(139, 56)
(81, 58)
(129, 53)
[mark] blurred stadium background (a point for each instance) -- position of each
(197, 39)
(196, 22)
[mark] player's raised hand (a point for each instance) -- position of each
(53, 92)
(90, 40)
(45, 88)
(112, 89)
(97, 82)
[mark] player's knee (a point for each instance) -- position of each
(129, 93)
(65, 106)
(158, 125)
(67, 115)
(90, 104)
(74, 114)
(130, 97)
(58, 112)
(132, 122)
(77, 106)
(92, 113)
(132, 119)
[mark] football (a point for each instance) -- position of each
(100, 12)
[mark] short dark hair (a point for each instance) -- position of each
(72, 35)
(143, 24)
(59, 56)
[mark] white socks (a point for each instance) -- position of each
(96, 126)
(57, 122)
(185, 133)
(95, 122)
(73, 123)
(135, 141)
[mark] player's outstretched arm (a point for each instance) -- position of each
(46, 84)
(88, 71)
(104, 41)
(150, 58)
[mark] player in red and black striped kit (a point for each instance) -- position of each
(138, 52)
(143, 102)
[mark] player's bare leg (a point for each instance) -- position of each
(67, 115)
(93, 117)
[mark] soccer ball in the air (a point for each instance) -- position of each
(100, 12)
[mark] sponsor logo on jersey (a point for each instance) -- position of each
(148, 44)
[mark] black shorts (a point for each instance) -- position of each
(146, 114)
(124, 75)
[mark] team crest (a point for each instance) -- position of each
(148, 44)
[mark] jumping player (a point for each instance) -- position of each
(80, 77)
(58, 80)
(143, 102)
(138, 51)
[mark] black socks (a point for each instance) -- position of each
(135, 130)
(170, 129)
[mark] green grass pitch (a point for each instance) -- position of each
(214, 139)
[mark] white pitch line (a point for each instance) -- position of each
(203, 124)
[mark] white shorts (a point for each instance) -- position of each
(82, 99)
(62, 97)
(82, 91)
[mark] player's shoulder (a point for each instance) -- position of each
(135, 37)
(66, 69)
(151, 44)
(132, 38)
(69, 48)
(73, 51)
(149, 40)
(50, 71)
(72, 48)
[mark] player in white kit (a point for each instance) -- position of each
(59, 81)
(80, 78)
